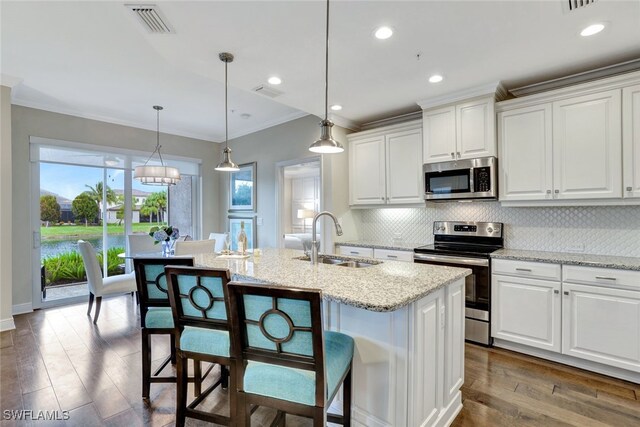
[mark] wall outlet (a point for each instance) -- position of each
(578, 247)
(259, 220)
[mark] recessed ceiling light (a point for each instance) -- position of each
(383, 33)
(336, 107)
(591, 30)
(436, 78)
(274, 80)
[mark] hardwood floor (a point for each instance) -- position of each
(56, 359)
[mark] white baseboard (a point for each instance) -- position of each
(7, 324)
(587, 365)
(22, 308)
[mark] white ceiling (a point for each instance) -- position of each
(93, 59)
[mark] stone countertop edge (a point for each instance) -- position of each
(376, 245)
(384, 287)
(586, 260)
(359, 304)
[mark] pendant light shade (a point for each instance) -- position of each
(157, 175)
(226, 165)
(326, 144)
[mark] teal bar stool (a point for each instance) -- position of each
(156, 317)
(284, 358)
(198, 300)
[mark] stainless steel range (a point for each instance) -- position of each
(468, 245)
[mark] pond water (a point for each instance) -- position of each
(50, 248)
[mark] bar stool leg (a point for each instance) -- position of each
(146, 364)
(346, 399)
(181, 390)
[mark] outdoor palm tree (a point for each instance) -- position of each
(95, 193)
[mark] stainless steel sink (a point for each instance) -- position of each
(341, 262)
(355, 264)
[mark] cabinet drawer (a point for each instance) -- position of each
(601, 276)
(393, 255)
(535, 270)
(356, 251)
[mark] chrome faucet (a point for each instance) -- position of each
(314, 242)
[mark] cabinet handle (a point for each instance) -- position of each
(458, 154)
(354, 253)
(566, 292)
(392, 256)
(629, 188)
(524, 269)
(556, 191)
(548, 191)
(453, 155)
(556, 291)
(605, 278)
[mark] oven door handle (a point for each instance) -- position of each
(451, 259)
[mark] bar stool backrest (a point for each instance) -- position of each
(279, 326)
(198, 297)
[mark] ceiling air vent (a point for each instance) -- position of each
(151, 18)
(267, 91)
(571, 5)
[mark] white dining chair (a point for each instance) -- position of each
(140, 244)
(99, 286)
(219, 238)
(194, 247)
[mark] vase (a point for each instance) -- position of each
(166, 248)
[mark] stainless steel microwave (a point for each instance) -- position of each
(467, 179)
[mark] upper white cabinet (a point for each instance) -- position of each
(577, 145)
(385, 165)
(631, 140)
(526, 153)
(462, 131)
(587, 146)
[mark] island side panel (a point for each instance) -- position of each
(380, 363)
(408, 365)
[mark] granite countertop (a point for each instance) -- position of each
(382, 245)
(587, 260)
(387, 286)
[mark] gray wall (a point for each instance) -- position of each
(28, 122)
(6, 250)
(285, 142)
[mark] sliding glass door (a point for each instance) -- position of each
(91, 195)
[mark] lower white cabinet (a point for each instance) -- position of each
(356, 251)
(526, 311)
(602, 324)
(593, 314)
(393, 255)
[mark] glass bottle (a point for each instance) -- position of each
(242, 240)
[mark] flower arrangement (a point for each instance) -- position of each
(164, 233)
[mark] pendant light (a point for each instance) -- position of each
(157, 175)
(326, 143)
(226, 165)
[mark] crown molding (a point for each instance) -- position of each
(495, 89)
(344, 122)
(403, 118)
(9, 81)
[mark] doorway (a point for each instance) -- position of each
(299, 199)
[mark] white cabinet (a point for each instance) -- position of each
(587, 146)
(367, 171)
(385, 165)
(524, 137)
(631, 140)
(602, 325)
(356, 251)
(526, 311)
(393, 255)
(462, 131)
(572, 146)
(454, 343)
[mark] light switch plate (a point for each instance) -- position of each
(259, 220)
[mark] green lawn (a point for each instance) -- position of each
(67, 231)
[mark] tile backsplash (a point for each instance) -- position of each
(604, 230)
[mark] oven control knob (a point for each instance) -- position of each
(489, 230)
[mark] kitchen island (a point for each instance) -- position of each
(407, 321)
